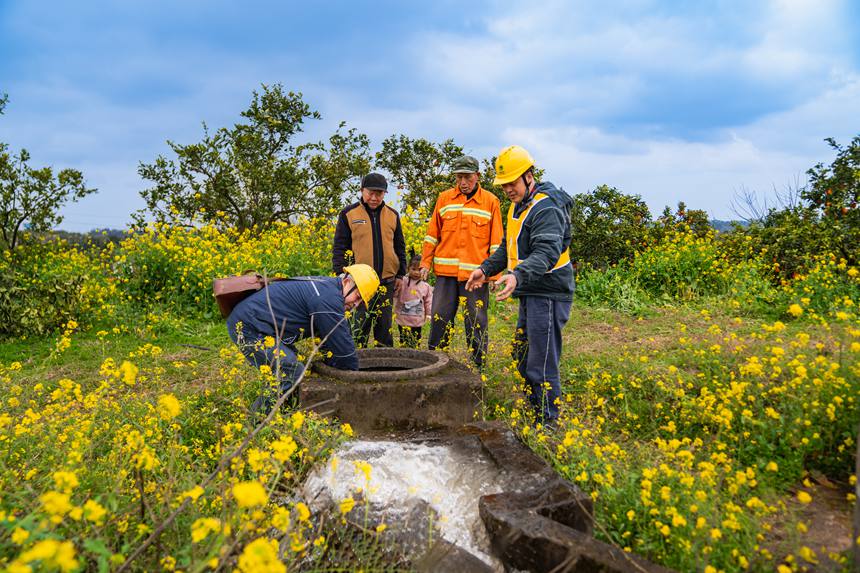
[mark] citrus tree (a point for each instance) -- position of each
(254, 174)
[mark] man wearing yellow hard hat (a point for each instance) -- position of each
(267, 324)
(535, 258)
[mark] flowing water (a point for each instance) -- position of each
(404, 475)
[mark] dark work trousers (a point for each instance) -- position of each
(377, 317)
(446, 299)
(537, 350)
(410, 336)
(282, 359)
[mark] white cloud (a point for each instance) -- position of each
(703, 174)
(567, 79)
(602, 60)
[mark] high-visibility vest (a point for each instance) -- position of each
(515, 225)
(462, 233)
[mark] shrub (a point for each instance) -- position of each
(607, 226)
(613, 288)
(830, 286)
(45, 285)
(682, 267)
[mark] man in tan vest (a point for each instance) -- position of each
(369, 232)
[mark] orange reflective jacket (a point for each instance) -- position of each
(462, 233)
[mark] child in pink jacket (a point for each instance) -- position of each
(412, 300)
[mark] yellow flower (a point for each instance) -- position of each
(716, 533)
(297, 543)
(284, 448)
(261, 556)
(19, 536)
(808, 554)
(168, 563)
(168, 407)
(268, 342)
(193, 493)
(128, 372)
(304, 512)
(363, 467)
(346, 429)
(250, 494)
(772, 467)
(346, 505)
(56, 504)
(202, 527)
(795, 309)
(281, 519)
(297, 419)
(52, 554)
(803, 497)
(65, 481)
(93, 511)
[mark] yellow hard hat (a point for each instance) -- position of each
(512, 162)
(365, 279)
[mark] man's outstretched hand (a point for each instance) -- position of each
(476, 279)
(508, 283)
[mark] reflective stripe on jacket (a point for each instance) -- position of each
(462, 233)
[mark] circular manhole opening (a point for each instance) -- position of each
(382, 364)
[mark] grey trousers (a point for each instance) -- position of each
(446, 299)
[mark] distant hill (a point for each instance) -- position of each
(96, 237)
(726, 226)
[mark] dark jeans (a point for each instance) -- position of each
(537, 350)
(376, 317)
(410, 336)
(446, 299)
(282, 359)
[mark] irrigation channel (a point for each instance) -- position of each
(453, 494)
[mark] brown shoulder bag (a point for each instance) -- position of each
(230, 291)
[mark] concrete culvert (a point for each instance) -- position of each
(395, 389)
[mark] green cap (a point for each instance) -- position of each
(465, 164)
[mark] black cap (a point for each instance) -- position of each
(375, 181)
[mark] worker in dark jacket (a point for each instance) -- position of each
(538, 272)
(370, 231)
(267, 324)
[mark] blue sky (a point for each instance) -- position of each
(670, 100)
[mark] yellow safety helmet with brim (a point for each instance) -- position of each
(511, 163)
(365, 279)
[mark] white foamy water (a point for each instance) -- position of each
(449, 480)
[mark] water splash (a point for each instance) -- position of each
(446, 478)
